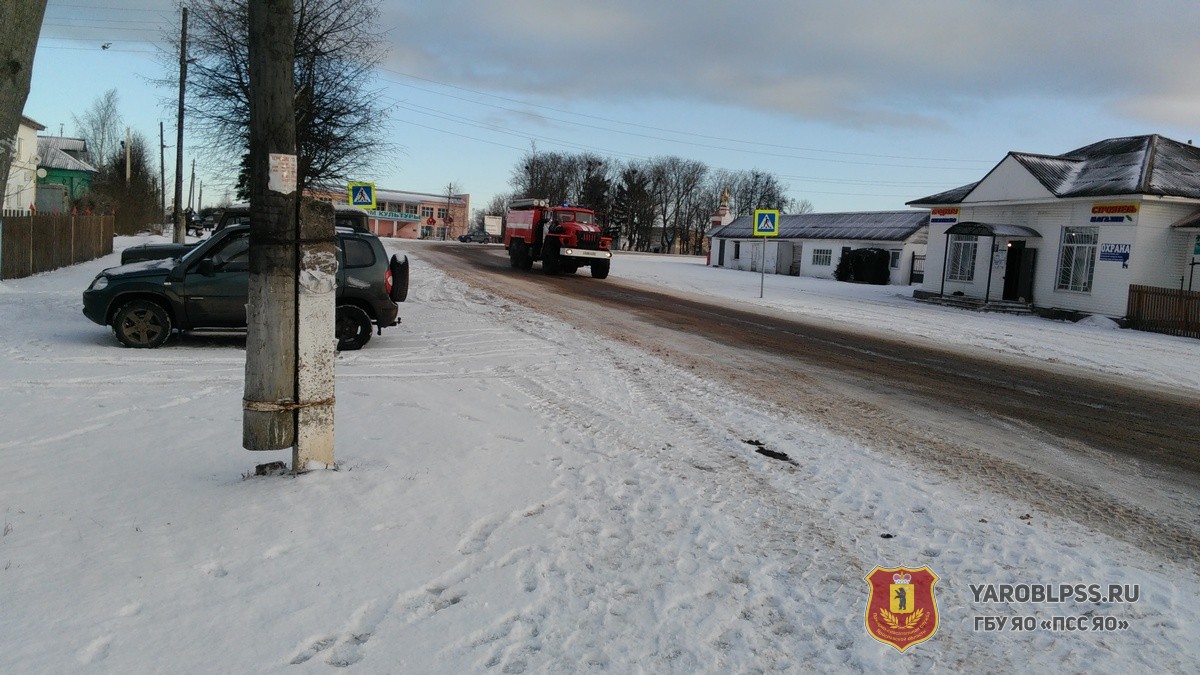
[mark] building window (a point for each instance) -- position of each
(737, 250)
(822, 257)
(895, 258)
(1077, 258)
(963, 248)
(426, 211)
(442, 213)
(410, 208)
(426, 231)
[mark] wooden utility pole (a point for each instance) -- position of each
(162, 171)
(180, 229)
(128, 156)
(289, 392)
(192, 184)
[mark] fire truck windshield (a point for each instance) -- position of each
(574, 216)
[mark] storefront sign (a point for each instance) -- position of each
(1124, 212)
(394, 215)
(944, 216)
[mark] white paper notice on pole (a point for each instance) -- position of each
(283, 174)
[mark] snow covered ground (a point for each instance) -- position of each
(514, 495)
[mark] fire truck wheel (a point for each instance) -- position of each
(551, 262)
(514, 253)
(600, 269)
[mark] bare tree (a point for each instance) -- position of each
(20, 24)
(497, 206)
(450, 221)
(100, 126)
(135, 201)
(340, 124)
(676, 187)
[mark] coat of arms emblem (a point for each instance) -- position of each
(901, 610)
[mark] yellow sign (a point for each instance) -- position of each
(1121, 212)
(766, 223)
(362, 195)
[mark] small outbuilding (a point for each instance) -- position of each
(812, 244)
(1081, 231)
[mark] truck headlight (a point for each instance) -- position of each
(100, 283)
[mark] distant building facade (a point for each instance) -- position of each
(812, 244)
(20, 187)
(411, 215)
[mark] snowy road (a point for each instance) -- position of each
(1117, 456)
(517, 494)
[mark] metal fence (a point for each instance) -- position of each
(31, 244)
(1164, 310)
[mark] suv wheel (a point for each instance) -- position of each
(142, 324)
(352, 327)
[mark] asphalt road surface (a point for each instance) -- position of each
(1118, 456)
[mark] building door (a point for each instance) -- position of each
(1018, 272)
(721, 254)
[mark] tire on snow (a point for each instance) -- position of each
(142, 324)
(352, 327)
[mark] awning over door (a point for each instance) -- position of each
(993, 230)
(1191, 221)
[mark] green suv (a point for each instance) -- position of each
(207, 288)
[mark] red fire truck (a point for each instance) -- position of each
(564, 238)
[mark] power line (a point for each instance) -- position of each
(662, 130)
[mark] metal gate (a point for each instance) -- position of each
(916, 271)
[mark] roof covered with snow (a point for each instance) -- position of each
(58, 155)
(1150, 165)
(872, 225)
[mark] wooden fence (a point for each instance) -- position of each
(1164, 310)
(32, 244)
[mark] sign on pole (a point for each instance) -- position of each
(362, 195)
(766, 223)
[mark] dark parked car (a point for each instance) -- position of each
(344, 216)
(479, 237)
(207, 288)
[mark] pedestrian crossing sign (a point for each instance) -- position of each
(766, 223)
(362, 195)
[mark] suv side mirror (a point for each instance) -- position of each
(205, 267)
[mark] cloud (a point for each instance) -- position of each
(854, 63)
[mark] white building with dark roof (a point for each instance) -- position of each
(1071, 232)
(812, 244)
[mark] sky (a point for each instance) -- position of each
(497, 507)
(858, 105)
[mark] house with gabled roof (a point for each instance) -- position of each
(812, 244)
(1069, 232)
(65, 162)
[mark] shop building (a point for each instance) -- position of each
(1069, 232)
